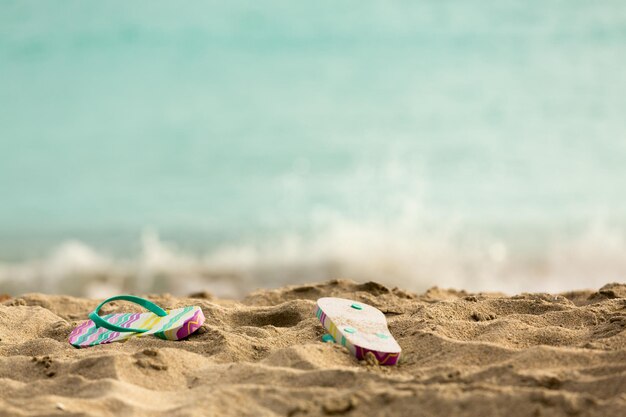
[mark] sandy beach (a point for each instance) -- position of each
(463, 354)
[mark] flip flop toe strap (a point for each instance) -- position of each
(100, 322)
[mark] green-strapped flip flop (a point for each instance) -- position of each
(171, 325)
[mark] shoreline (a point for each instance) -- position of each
(471, 354)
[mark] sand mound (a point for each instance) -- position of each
(464, 354)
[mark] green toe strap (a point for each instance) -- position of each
(100, 322)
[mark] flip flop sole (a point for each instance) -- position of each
(359, 327)
(178, 324)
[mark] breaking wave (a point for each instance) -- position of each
(394, 253)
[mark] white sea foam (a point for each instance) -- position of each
(390, 253)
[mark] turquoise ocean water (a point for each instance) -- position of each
(233, 145)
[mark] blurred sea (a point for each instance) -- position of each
(157, 146)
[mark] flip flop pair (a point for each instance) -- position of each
(173, 324)
(359, 327)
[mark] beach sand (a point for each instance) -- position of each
(463, 354)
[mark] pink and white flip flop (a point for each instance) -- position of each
(359, 327)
